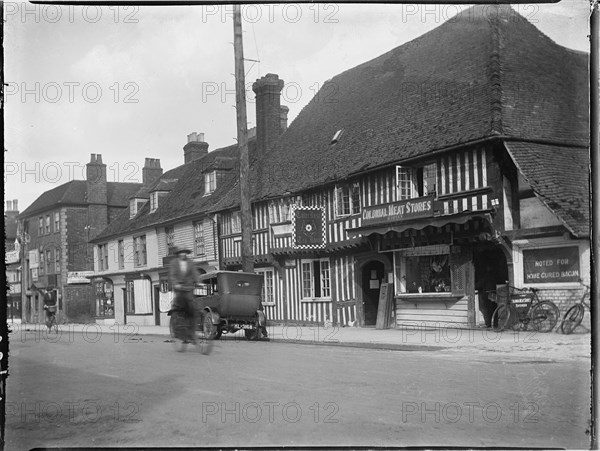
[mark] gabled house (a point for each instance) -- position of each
(463, 149)
(133, 253)
(56, 230)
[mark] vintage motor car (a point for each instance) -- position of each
(231, 301)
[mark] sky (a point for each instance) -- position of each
(130, 82)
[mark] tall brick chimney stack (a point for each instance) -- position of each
(97, 198)
(95, 174)
(268, 110)
(151, 171)
(195, 148)
(283, 120)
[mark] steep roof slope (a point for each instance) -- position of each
(487, 73)
(186, 197)
(559, 176)
(75, 193)
(481, 75)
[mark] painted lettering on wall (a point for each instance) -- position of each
(397, 211)
(559, 264)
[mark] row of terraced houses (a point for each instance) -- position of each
(459, 156)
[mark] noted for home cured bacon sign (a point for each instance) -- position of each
(421, 207)
(558, 264)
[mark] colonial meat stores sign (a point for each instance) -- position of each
(559, 264)
(403, 210)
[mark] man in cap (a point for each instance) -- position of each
(183, 276)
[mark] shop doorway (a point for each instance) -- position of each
(491, 269)
(372, 277)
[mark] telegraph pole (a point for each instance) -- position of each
(242, 137)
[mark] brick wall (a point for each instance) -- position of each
(79, 303)
(78, 257)
(564, 299)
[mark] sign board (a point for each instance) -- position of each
(403, 210)
(12, 257)
(308, 227)
(558, 264)
(79, 276)
(384, 309)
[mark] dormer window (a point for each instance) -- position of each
(210, 182)
(135, 205)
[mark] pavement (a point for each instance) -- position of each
(414, 337)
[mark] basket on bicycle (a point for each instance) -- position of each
(51, 308)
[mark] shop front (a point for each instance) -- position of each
(433, 261)
(104, 300)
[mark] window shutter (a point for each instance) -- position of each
(460, 260)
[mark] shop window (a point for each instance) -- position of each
(425, 269)
(428, 274)
(416, 182)
(316, 282)
(104, 300)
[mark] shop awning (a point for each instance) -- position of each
(400, 227)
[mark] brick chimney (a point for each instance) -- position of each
(95, 174)
(283, 120)
(151, 171)
(195, 147)
(268, 110)
(97, 198)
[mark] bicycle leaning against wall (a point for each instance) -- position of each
(574, 315)
(522, 309)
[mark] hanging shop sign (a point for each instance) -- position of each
(558, 264)
(402, 210)
(308, 227)
(79, 276)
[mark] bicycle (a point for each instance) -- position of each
(574, 315)
(523, 308)
(183, 332)
(51, 323)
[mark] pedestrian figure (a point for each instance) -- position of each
(183, 276)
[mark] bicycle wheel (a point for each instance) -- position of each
(54, 325)
(544, 316)
(501, 317)
(572, 319)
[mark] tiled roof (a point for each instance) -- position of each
(74, 193)
(559, 176)
(186, 196)
(488, 73)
